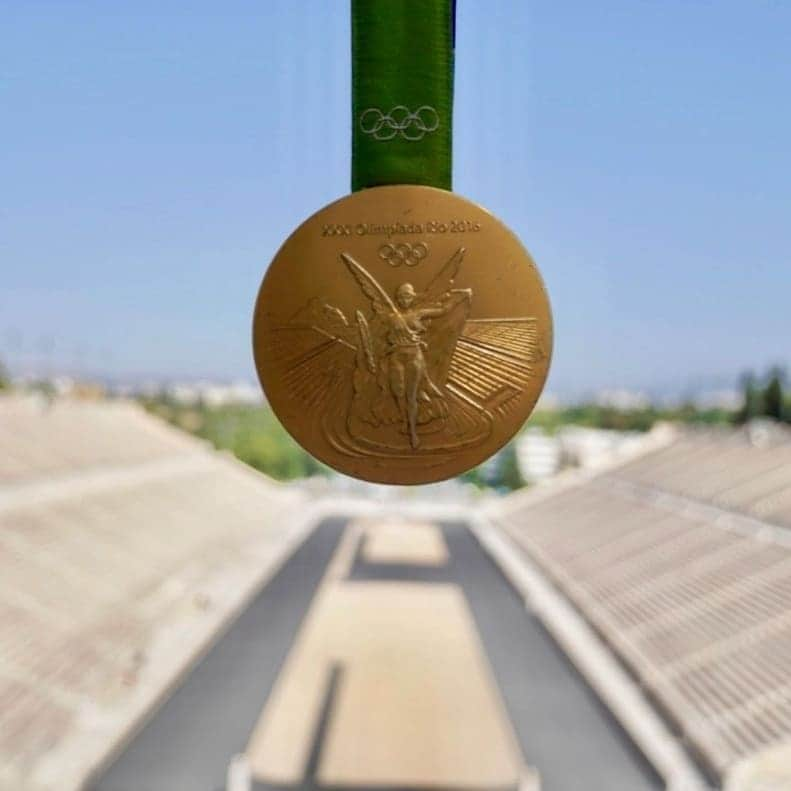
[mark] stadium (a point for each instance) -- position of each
(172, 619)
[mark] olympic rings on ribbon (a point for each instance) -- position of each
(403, 253)
(399, 121)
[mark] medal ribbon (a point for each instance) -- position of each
(402, 92)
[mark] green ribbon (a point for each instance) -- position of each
(402, 92)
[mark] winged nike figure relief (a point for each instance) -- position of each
(412, 373)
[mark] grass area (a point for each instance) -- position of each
(252, 434)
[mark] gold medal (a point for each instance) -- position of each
(402, 334)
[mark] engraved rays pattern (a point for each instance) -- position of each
(493, 361)
(491, 365)
(311, 372)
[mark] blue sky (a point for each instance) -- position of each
(153, 156)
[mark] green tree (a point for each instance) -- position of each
(509, 475)
(5, 379)
(475, 477)
(773, 400)
(752, 400)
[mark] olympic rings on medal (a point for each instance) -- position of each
(403, 253)
(399, 121)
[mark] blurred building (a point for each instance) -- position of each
(727, 399)
(540, 455)
(622, 399)
(214, 394)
